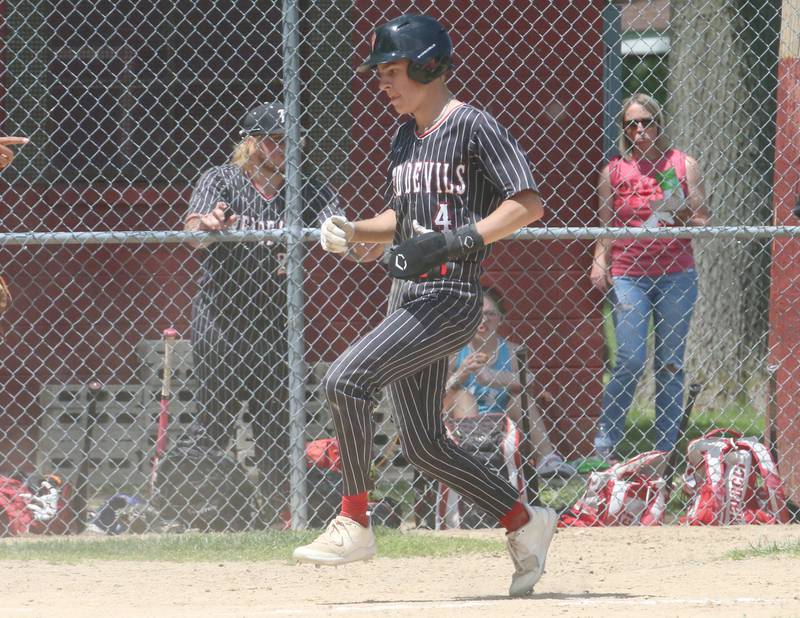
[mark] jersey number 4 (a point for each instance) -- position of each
(442, 218)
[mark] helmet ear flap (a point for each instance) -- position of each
(425, 72)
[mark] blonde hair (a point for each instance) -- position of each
(653, 107)
(242, 156)
(248, 157)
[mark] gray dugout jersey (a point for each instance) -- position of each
(248, 274)
(455, 173)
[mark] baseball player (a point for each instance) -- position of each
(457, 181)
(238, 314)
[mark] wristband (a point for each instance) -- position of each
(463, 241)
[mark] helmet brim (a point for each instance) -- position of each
(276, 131)
(375, 59)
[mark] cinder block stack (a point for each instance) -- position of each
(183, 386)
(118, 434)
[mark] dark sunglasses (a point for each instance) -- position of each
(635, 122)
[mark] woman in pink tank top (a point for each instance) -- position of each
(649, 185)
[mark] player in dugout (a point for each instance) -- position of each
(239, 311)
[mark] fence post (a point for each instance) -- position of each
(294, 266)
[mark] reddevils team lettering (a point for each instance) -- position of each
(417, 170)
(461, 187)
(249, 223)
(428, 177)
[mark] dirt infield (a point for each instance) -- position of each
(671, 571)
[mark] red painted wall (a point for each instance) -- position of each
(784, 316)
(79, 312)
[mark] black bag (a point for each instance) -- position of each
(324, 501)
(386, 512)
(202, 488)
(483, 437)
(324, 496)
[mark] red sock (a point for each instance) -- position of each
(515, 518)
(355, 507)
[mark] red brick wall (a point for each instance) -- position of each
(643, 15)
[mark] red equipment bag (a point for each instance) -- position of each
(732, 480)
(324, 454)
(16, 516)
(629, 493)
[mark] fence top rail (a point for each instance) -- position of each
(745, 232)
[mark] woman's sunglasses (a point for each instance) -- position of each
(635, 122)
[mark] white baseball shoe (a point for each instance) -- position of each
(343, 541)
(553, 464)
(528, 548)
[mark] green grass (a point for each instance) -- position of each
(564, 495)
(639, 426)
(790, 548)
(232, 547)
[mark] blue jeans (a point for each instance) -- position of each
(670, 300)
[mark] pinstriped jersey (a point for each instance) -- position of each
(457, 172)
(249, 274)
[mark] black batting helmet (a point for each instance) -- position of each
(417, 38)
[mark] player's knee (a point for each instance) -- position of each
(423, 454)
(338, 384)
(332, 384)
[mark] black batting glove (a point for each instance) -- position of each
(420, 254)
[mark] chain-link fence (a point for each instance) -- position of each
(129, 105)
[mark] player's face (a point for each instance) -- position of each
(490, 319)
(271, 149)
(640, 127)
(404, 94)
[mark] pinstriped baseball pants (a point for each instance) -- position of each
(408, 353)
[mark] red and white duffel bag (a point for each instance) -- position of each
(629, 493)
(732, 479)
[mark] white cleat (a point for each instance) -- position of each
(528, 548)
(343, 541)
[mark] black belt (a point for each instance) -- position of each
(452, 271)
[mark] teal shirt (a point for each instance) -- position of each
(490, 400)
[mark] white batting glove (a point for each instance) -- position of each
(419, 228)
(336, 233)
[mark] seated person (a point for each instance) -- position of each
(484, 379)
